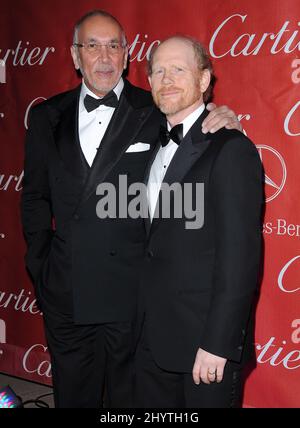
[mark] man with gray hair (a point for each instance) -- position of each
(197, 285)
(85, 269)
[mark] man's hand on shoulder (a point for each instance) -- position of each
(220, 117)
(208, 367)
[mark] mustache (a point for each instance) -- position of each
(168, 89)
(104, 68)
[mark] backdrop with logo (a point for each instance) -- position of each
(255, 48)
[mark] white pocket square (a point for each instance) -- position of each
(138, 147)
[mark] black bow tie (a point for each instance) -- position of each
(91, 103)
(176, 135)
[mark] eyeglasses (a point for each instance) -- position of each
(113, 48)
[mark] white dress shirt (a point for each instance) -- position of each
(92, 126)
(163, 159)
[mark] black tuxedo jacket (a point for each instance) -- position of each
(79, 263)
(198, 285)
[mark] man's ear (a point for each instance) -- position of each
(205, 80)
(125, 58)
(75, 57)
(150, 81)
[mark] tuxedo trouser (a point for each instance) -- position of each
(92, 365)
(158, 388)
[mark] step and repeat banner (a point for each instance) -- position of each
(255, 48)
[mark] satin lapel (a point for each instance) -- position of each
(192, 147)
(185, 157)
(67, 140)
(121, 132)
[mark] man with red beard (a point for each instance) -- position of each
(85, 271)
(198, 281)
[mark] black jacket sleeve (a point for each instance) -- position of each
(35, 200)
(237, 186)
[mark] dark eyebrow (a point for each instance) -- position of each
(92, 40)
(114, 41)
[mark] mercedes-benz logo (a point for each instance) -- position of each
(275, 171)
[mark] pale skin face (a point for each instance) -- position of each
(176, 82)
(102, 70)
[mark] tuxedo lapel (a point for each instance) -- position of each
(121, 132)
(67, 138)
(192, 147)
(186, 155)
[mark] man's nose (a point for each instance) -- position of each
(167, 77)
(103, 53)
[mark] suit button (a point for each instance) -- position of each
(76, 217)
(240, 347)
(150, 254)
(113, 253)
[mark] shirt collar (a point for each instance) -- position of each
(189, 121)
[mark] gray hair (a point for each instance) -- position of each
(98, 12)
(203, 60)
